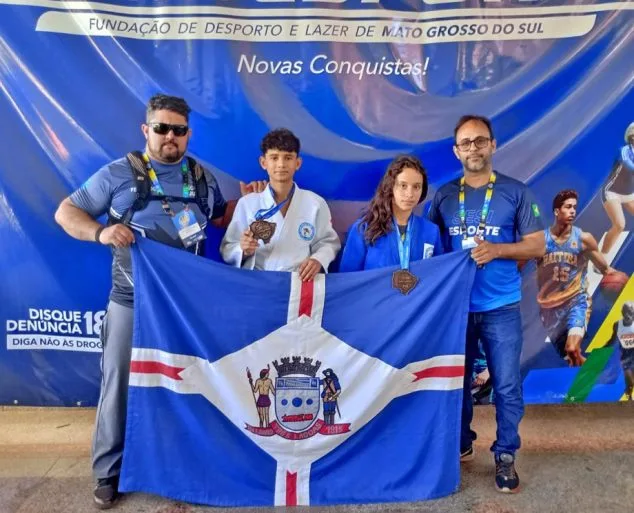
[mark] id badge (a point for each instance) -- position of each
(188, 228)
(469, 243)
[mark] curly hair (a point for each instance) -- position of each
(165, 102)
(377, 221)
(280, 139)
(563, 196)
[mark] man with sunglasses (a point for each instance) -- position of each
(494, 217)
(174, 215)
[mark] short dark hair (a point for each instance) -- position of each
(562, 196)
(281, 139)
(171, 103)
(473, 117)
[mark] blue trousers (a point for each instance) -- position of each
(500, 332)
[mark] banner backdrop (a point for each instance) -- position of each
(358, 81)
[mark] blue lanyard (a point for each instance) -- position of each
(404, 244)
(265, 213)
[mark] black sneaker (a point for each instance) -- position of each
(106, 494)
(506, 479)
(467, 454)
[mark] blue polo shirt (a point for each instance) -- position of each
(112, 190)
(513, 213)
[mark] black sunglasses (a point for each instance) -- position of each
(164, 128)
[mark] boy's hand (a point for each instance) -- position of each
(248, 243)
(308, 269)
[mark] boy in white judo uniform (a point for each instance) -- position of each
(283, 228)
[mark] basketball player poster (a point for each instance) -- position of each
(575, 295)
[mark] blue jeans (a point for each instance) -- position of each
(500, 332)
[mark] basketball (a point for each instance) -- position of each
(614, 282)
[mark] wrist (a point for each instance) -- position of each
(98, 233)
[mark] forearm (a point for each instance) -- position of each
(223, 222)
(522, 250)
(599, 261)
(76, 222)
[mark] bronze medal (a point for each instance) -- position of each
(262, 230)
(404, 281)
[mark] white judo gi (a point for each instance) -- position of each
(305, 231)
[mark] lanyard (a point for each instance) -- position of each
(404, 244)
(265, 213)
(485, 207)
(189, 191)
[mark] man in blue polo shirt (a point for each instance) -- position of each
(182, 197)
(495, 217)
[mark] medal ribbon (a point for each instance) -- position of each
(189, 191)
(404, 244)
(485, 208)
(265, 213)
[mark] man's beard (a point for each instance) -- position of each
(475, 166)
(165, 153)
(168, 155)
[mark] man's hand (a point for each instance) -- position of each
(255, 186)
(484, 252)
(117, 235)
(308, 269)
(573, 353)
(481, 378)
(248, 243)
(609, 270)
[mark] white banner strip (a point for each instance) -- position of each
(336, 12)
(26, 341)
(305, 30)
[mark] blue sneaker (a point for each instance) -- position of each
(506, 479)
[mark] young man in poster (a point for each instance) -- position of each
(565, 304)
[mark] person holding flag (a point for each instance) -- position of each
(283, 228)
(496, 218)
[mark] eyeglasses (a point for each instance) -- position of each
(164, 129)
(480, 142)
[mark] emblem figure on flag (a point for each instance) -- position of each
(330, 393)
(263, 385)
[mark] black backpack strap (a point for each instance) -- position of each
(202, 190)
(142, 182)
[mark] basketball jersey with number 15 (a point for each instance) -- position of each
(561, 272)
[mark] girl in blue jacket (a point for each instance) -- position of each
(373, 239)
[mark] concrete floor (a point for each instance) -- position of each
(577, 459)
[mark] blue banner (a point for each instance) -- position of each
(344, 383)
(358, 81)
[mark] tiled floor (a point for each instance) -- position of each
(577, 459)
